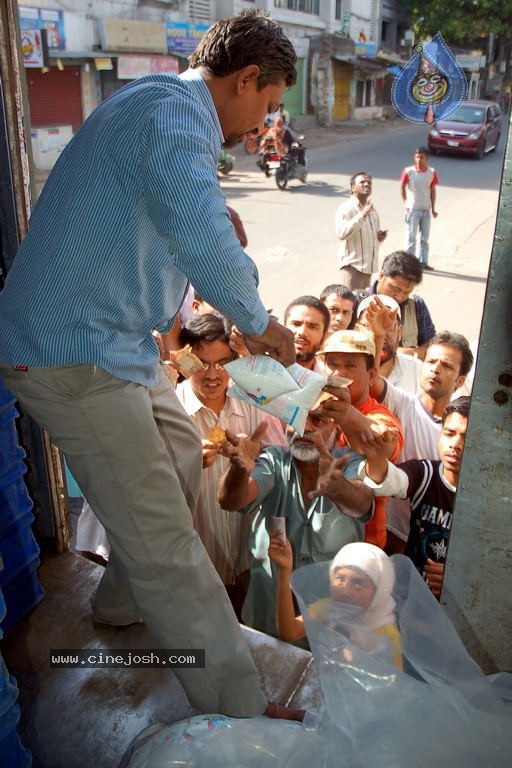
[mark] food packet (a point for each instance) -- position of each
(288, 393)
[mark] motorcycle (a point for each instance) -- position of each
(225, 162)
(293, 165)
(270, 159)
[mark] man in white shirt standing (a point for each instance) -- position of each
(358, 228)
(418, 186)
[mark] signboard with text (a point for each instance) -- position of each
(44, 18)
(182, 37)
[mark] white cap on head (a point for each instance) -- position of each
(387, 300)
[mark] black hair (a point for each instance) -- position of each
(402, 264)
(206, 327)
(459, 405)
(251, 37)
(340, 290)
(310, 301)
(423, 150)
(458, 341)
(355, 175)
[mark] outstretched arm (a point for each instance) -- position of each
(236, 487)
(289, 626)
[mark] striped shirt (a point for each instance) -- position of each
(359, 246)
(225, 534)
(131, 212)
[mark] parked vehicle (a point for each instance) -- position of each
(293, 165)
(474, 128)
(225, 162)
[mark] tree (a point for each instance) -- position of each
(465, 22)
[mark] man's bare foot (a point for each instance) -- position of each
(279, 712)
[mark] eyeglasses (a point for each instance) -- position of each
(219, 367)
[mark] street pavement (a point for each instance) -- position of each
(291, 233)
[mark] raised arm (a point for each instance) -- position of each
(289, 626)
(236, 487)
(351, 497)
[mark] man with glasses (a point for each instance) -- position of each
(204, 397)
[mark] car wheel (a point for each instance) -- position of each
(480, 152)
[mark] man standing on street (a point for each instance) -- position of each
(358, 228)
(130, 214)
(418, 186)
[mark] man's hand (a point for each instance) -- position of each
(433, 573)
(434, 214)
(280, 552)
(330, 471)
(238, 226)
(236, 342)
(381, 235)
(276, 340)
(243, 451)
(336, 407)
(210, 453)
(380, 317)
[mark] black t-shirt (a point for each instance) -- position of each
(432, 499)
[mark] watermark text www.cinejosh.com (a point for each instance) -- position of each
(112, 658)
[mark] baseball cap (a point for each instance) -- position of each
(349, 341)
(387, 300)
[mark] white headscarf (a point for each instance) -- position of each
(375, 564)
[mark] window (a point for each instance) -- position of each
(305, 6)
(364, 93)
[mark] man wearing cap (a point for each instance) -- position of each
(358, 228)
(323, 503)
(403, 371)
(351, 354)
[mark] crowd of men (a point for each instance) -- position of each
(130, 216)
(329, 486)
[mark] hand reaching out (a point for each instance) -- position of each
(380, 318)
(280, 552)
(243, 451)
(330, 471)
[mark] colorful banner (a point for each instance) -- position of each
(32, 48)
(132, 67)
(183, 37)
(44, 18)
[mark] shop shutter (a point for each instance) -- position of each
(55, 97)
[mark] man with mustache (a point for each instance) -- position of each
(319, 496)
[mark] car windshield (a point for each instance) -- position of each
(467, 115)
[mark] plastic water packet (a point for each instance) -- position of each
(288, 393)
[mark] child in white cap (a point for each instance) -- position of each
(361, 604)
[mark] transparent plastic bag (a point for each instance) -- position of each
(439, 710)
(435, 707)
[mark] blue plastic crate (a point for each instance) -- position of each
(10, 449)
(15, 502)
(18, 549)
(21, 594)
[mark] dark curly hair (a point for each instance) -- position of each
(251, 37)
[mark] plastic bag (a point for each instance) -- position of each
(288, 393)
(439, 710)
(216, 741)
